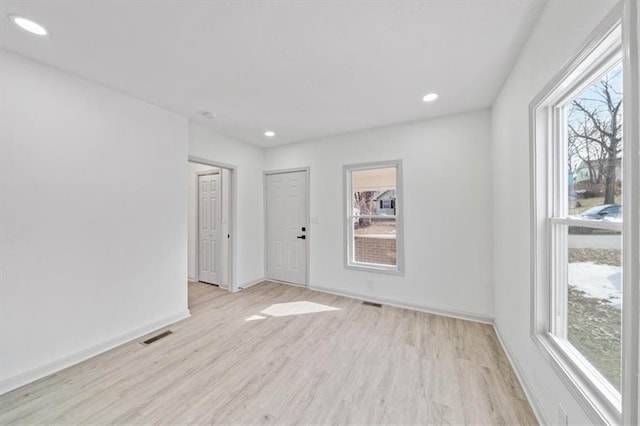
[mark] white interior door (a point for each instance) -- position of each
(286, 227)
(209, 232)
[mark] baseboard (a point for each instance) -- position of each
(285, 283)
(191, 279)
(445, 312)
(252, 283)
(32, 375)
(535, 406)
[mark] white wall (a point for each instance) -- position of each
(249, 161)
(192, 215)
(93, 224)
(562, 28)
(447, 214)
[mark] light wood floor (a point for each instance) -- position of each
(357, 364)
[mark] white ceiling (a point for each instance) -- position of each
(304, 69)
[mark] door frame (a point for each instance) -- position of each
(198, 211)
(266, 173)
(232, 262)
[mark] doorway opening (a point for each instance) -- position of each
(210, 223)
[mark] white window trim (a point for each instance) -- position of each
(596, 398)
(398, 269)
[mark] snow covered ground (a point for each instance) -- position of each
(600, 281)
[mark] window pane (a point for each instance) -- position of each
(594, 148)
(594, 314)
(375, 241)
(374, 191)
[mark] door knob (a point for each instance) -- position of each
(302, 237)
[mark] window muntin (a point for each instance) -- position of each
(373, 231)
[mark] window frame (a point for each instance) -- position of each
(349, 258)
(611, 39)
(559, 219)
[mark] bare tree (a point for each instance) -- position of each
(364, 202)
(590, 154)
(595, 130)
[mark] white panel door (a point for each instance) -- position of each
(286, 227)
(209, 232)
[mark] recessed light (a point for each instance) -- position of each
(269, 133)
(29, 25)
(208, 115)
(430, 97)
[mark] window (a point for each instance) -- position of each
(373, 216)
(387, 204)
(580, 227)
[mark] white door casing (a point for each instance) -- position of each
(225, 197)
(286, 201)
(209, 232)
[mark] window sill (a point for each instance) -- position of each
(601, 403)
(370, 267)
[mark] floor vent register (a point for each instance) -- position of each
(157, 337)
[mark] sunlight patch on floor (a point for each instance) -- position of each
(296, 308)
(255, 318)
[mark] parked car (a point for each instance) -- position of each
(603, 212)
